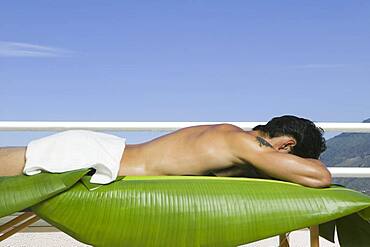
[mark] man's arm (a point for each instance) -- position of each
(288, 167)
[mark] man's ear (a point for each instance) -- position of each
(287, 145)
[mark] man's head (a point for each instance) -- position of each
(295, 135)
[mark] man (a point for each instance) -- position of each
(286, 148)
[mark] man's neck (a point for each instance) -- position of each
(260, 134)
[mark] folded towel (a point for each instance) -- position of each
(76, 149)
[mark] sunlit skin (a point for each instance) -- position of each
(221, 150)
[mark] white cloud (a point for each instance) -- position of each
(319, 66)
(15, 49)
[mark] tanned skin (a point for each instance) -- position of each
(221, 150)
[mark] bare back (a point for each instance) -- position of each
(197, 150)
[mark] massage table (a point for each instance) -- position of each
(184, 210)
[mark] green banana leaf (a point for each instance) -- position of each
(20, 192)
(199, 211)
(353, 230)
(185, 211)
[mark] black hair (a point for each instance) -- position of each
(309, 137)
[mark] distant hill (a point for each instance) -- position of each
(349, 150)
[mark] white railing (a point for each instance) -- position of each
(154, 126)
(170, 126)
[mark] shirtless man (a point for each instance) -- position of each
(286, 148)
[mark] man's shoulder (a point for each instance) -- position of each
(233, 131)
(227, 127)
(230, 133)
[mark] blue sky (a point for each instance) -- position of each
(182, 61)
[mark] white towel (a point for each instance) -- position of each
(76, 149)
